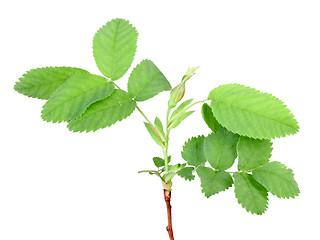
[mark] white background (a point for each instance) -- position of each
(55, 184)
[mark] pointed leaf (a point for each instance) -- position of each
(158, 162)
(193, 151)
(208, 117)
(73, 97)
(178, 119)
(249, 112)
(104, 113)
(114, 47)
(277, 179)
(250, 194)
(213, 182)
(253, 153)
(42, 82)
(181, 107)
(187, 173)
(158, 125)
(153, 133)
(146, 81)
(220, 149)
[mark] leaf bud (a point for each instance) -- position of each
(177, 92)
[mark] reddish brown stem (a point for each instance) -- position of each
(167, 198)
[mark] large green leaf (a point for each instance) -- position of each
(146, 81)
(220, 149)
(277, 179)
(114, 47)
(193, 151)
(104, 113)
(73, 97)
(249, 112)
(42, 82)
(250, 194)
(208, 117)
(213, 182)
(253, 153)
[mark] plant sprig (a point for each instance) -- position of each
(243, 121)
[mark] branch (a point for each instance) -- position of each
(167, 198)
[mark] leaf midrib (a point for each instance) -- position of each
(74, 96)
(245, 110)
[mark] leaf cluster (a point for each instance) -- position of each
(243, 120)
(243, 123)
(89, 102)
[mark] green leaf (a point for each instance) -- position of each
(159, 162)
(104, 113)
(187, 173)
(114, 47)
(42, 82)
(73, 97)
(181, 108)
(158, 125)
(220, 149)
(146, 81)
(193, 151)
(153, 133)
(213, 182)
(277, 179)
(250, 194)
(249, 112)
(178, 119)
(253, 153)
(208, 117)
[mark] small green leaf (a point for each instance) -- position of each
(178, 119)
(250, 194)
(187, 173)
(158, 125)
(181, 108)
(277, 179)
(208, 117)
(159, 162)
(153, 133)
(42, 82)
(104, 113)
(220, 149)
(73, 97)
(193, 151)
(114, 47)
(253, 153)
(213, 182)
(249, 112)
(146, 81)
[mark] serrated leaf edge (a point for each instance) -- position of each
(279, 136)
(23, 75)
(292, 196)
(87, 131)
(105, 25)
(267, 205)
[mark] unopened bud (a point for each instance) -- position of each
(177, 93)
